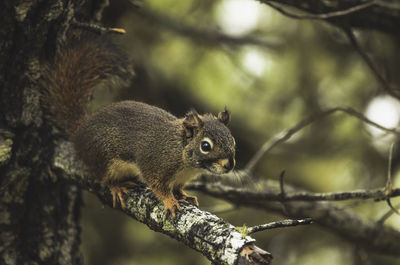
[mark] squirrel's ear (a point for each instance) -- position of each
(224, 116)
(192, 122)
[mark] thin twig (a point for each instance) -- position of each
(279, 224)
(392, 91)
(389, 202)
(281, 183)
(320, 16)
(287, 134)
(283, 195)
(98, 29)
(353, 40)
(377, 194)
(389, 185)
(388, 214)
(386, 4)
(99, 8)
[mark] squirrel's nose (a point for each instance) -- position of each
(233, 162)
(228, 163)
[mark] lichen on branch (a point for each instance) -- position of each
(216, 239)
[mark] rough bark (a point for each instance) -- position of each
(38, 213)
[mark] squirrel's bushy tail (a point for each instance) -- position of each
(81, 63)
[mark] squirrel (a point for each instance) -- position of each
(130, 138)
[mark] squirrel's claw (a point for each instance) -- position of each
(117, 190)
(190, 199)
(171, 206)
(187, 198)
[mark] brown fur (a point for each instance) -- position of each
(131, 138)
(155, 144)
(82, 62)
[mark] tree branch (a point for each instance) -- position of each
(269, 195)
(321, 16)
(278, 224)
(389, 89)
(376, 15)
(352, 227)
(287, 134)
(217, 240)
(96, 28)
(347, 29)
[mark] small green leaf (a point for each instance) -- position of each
(243, 230)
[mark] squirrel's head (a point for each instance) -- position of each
(210, 144)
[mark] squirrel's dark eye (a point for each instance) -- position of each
(206, 146)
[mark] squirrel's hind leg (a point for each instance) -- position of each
(118, 171)
(117, 189)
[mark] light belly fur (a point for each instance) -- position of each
(119, 169)
(183, 176)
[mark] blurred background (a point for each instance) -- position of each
(271, 72)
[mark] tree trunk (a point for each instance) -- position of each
(39, 215)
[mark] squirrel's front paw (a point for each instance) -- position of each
(171, 205)
(190, 199)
